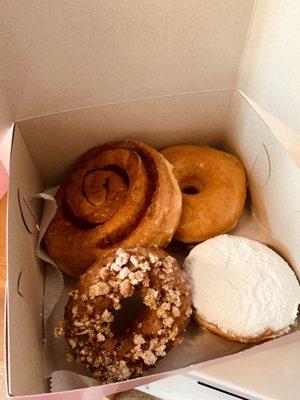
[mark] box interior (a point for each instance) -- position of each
(164, 74)
(244, 133)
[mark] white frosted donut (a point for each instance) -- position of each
(242, 290)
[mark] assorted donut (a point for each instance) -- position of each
(116, 195)
(117, 354)
(213, 186)
(242, 290)
(118, 207)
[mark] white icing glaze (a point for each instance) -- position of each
(242, 286)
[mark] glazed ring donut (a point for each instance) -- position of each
(91, 325)
(213, 185)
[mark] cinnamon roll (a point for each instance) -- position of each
(116, 195)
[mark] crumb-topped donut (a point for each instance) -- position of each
(90, 313)
(213, 185)
(242, 290)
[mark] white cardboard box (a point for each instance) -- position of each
(77, 74)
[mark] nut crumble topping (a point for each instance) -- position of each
(99, 289)
(59, 331)
(149, 357)
(88, 325)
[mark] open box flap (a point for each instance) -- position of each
(61, 57)
(270, 72)
(289, 139)
(274, 177)
(25, 276)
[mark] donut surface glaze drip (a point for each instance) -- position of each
(213, 185)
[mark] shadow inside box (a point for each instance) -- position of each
(198, 345)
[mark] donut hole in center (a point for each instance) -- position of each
(124, 318)
(190, 190)
(192, 185)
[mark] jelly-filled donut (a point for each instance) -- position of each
(91, 314)
(213, 185)
(241, 289)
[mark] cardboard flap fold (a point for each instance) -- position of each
(286, 136)
(63, 56)
(25, 280)
(274, 179)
